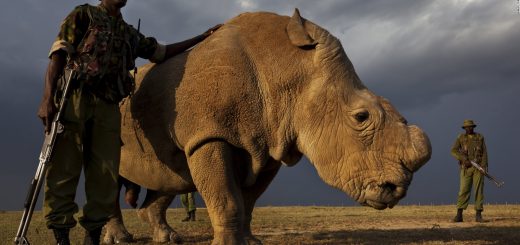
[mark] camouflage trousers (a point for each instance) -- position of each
(471, 177)
(90, 142)
(188, 201)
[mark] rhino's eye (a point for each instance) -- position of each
(361, 116)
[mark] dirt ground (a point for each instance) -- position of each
(322, 225)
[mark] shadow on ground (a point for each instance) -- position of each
(477, 235)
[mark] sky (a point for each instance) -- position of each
(438, 62)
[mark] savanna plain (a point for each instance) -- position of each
(320, 225)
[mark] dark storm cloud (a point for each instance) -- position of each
(439, 62)
(456, 50)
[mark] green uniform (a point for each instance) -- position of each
(91, 138)
(188, 201)
(470, 147)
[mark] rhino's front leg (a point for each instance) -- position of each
(211, 167)
(252, 193)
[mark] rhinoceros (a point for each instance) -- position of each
(260, 92)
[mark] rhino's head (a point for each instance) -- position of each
(357, 140)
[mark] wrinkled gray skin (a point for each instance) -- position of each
(261, 91)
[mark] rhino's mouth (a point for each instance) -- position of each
(382, 195)
(385, 192)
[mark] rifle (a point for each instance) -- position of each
(45, 157)
(485, 173)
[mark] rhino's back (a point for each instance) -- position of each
(215, 91)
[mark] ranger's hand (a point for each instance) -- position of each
(466, 163)
(54, 70)
(211, 30)
(46, 113)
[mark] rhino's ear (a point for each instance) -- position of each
(297, 32)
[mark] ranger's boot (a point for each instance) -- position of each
(478, 216)
(192, 215)
(458, 218)
(62, 236)
(92, 237)
(188, 217)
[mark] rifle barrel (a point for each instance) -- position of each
(485, 173)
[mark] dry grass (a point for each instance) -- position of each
(323, 225)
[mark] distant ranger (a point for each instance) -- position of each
(188, 202)
(470, 146)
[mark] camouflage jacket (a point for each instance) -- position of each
(103, 49)
(470, 147)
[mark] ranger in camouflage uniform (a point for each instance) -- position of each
(101, 48)
(188, 202)
(470, 146)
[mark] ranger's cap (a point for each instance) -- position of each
(468, 123)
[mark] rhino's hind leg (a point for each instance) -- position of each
(213, 173)
(153, 211)
(252, 193)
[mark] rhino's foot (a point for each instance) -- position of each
(164, 233)
(116, 233)
(225, 238)
(252, 240)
